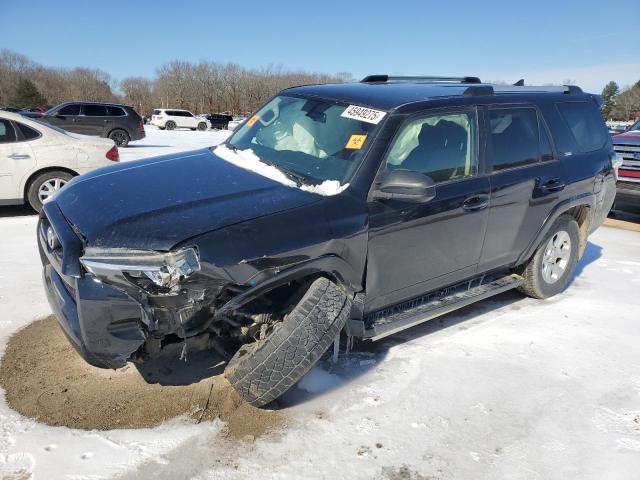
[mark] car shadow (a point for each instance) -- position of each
(17, 211)
(168, 370)
(327, 376)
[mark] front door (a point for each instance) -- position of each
(68, 118)
(415, 248)
(16, 158)
(526, 180)
(95, 120)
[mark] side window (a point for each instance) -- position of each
(187, 114)
(514, 137)
(115, 111)
(586, 124)
(157, 112)
(27, 132)
(70, 110)
(95, 110)
(440, 146)
(7, 134)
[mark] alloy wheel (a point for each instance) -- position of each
(556, 257)
(50, 187)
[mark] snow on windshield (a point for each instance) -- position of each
(250, 161)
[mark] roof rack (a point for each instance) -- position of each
(388, 78)
(491, 89)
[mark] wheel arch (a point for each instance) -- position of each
(37, 173)
(332, 267)
(580, 208)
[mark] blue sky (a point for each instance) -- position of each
(543, 41)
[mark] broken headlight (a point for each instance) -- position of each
(156, 272)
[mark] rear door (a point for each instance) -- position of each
(96, 119)
(526, 181)
(414, 248)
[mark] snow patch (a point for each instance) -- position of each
(250, 161)
(318, 381)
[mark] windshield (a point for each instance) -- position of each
(313, 139)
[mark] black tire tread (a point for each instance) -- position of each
(263, 371)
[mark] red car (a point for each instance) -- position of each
(627, 145)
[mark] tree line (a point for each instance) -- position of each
(201, 87)
(621, 104)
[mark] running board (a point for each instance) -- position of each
(391, 320)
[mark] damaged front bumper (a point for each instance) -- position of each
(116, 307)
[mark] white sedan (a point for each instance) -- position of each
(36, 160)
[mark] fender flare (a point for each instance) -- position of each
(332, 265)
(584, 199)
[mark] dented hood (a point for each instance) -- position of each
(159, 202)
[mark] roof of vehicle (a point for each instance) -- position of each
(397, 91)
(174, 109)
(111, 104)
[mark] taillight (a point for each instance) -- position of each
(113, 154)
(141, 125)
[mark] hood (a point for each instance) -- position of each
(627, 138)
(156, 203)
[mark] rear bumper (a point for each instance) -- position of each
(102, 323)
(138, 134)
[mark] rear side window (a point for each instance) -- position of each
(7, 134)
(70, 110)
(95, 111)
(27, 132)
(514, 137)
(586, 124)
(115, 111)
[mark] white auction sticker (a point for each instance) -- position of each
(363, 114)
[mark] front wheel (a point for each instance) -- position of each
(45, 186)
(551, 268)
(264, 370)
(202, 126)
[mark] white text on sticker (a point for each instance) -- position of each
(363, 114)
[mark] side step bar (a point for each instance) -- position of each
(394, 319)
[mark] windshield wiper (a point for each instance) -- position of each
(299, 178)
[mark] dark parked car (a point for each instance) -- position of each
(361, 208)
(627, 145)
(120, 123)
(219, 120)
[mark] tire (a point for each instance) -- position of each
(262, 371)
(120, 137)
(170, 125)
(202, 126)
(551, 267)
(46, 182)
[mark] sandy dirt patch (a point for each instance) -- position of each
(44, 378)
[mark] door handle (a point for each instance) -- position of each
(475, 203)
(107, 121)
(18, 156)
(553, 185)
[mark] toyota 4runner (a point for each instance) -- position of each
(361, 208)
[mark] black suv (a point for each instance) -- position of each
(360, 208)
(219, 120)
(120, 123)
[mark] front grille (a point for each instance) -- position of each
(628, 154)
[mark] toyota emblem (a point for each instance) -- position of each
(52, 239)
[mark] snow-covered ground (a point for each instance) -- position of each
(509, 388)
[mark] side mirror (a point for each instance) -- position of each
(407, 186)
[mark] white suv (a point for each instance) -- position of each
(172, 119)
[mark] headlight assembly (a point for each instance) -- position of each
(144, 268)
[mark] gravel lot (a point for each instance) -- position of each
(509, 388)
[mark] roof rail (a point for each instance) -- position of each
(421, 79)
(568, 89)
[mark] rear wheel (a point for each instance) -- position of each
(170, 125)
(120, 137)
(45, 186)
(264, 370)
(551, 268)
